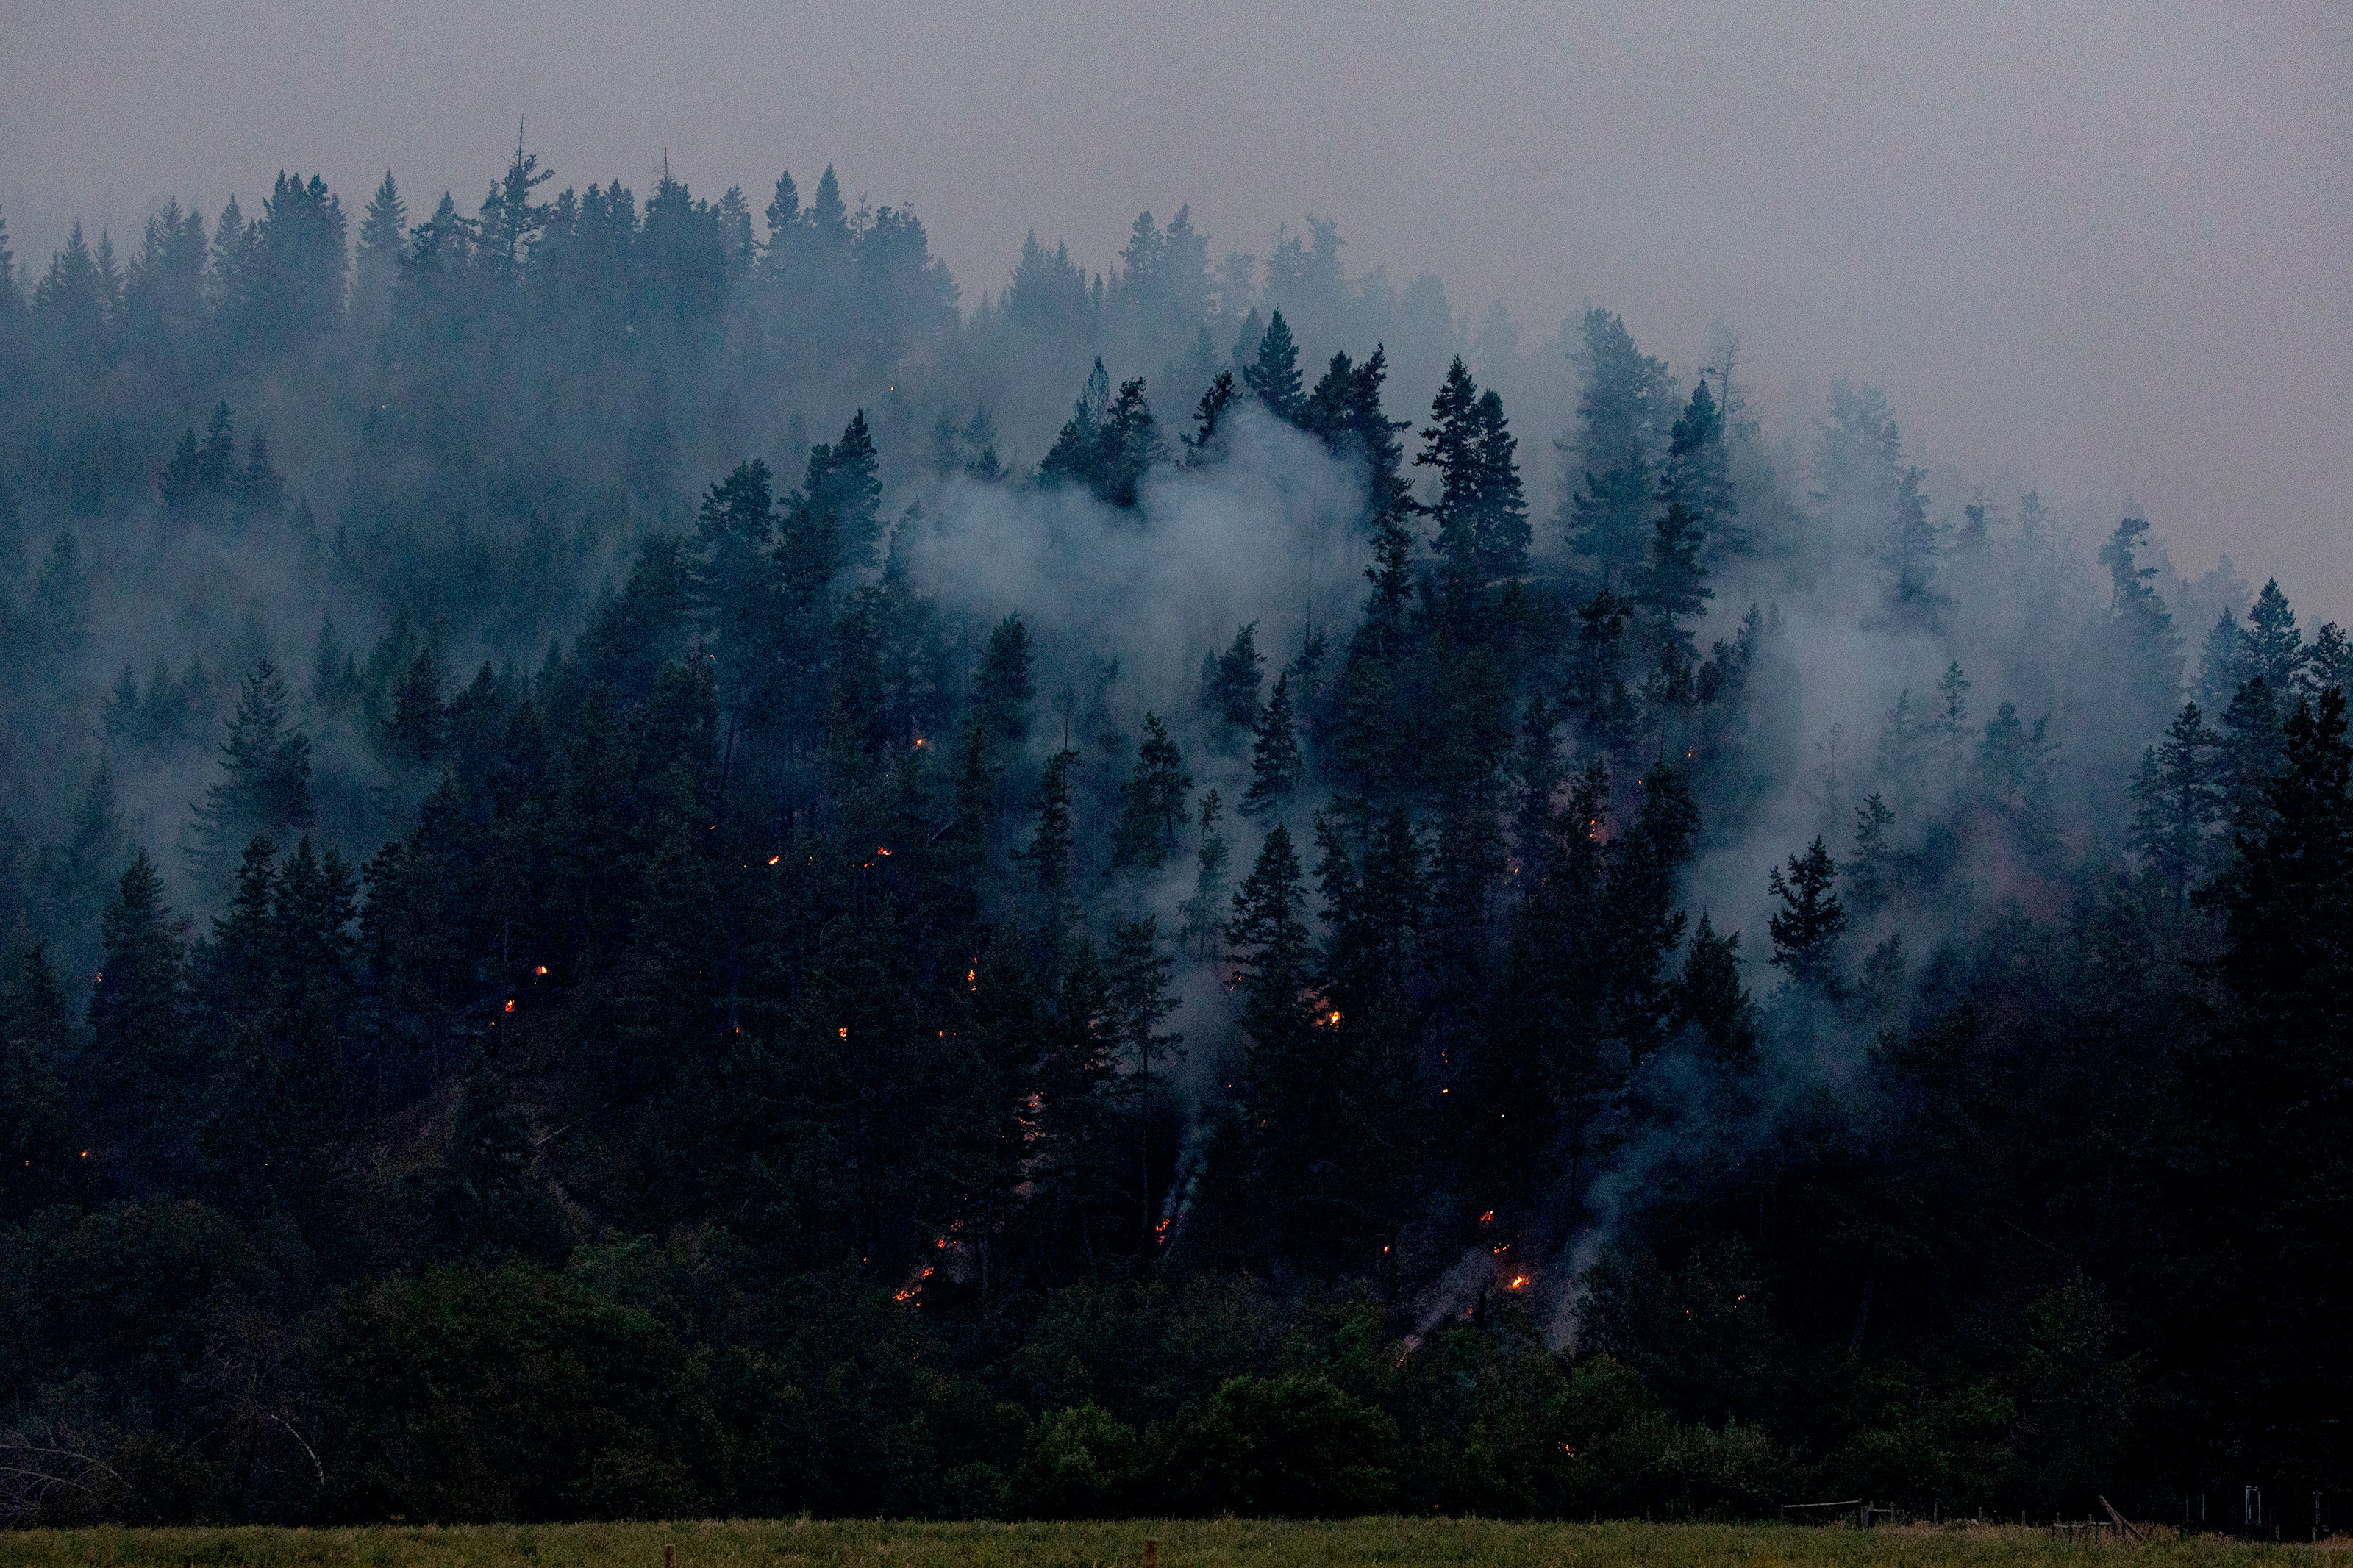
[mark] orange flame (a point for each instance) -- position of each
(845, 1034)
(1518, 1280)
(541, 970)
(509, 1007)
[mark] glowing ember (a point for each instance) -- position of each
(774, 859)
(1487, 1218)
(1518, 1280)
(844, 1033)
(509, 1007)
(541, 970)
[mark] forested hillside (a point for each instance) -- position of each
(643, 875)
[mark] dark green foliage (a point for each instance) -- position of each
(38, 1164)
(1001, 689)
(1482, 522)
(1229, 681)
(1294, 1447)
(1710, 996)
(1152, 805)
(266, 773)
(2177, 804)
(1807, 926)
(1272, 374)
(2260, 1164)
(139, 1050)
(1277, 769)
(711, 1100)
(1109, 444)
(1612, 462)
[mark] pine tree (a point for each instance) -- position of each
(1643, 924)
(1871, 870)
(2177, 804)
(1805, 927)
(37, 1041)
(2328, 660)
(2218, 663)
(1710, 997)
(2249, 753)
(217, 457)
(1050, 846)
(1002, 688)
(1140, 998)
(266, 768)
(1211, 437)
(842, 496)
(1452, 445)
(1230, 683)
(120, 715)
(1673, 588)
(1268, 938)
(1609, 465)
(1272, 375)
(414, 730)
(2265, 1148)
(1277, 769)
(333, 674)
(1079, 1151)
(139, 1048)
(2141, 627)
(2269, 647)
(1152, 804)
(1204, 912)
(384, 231)
(1076, 455)
(1950, 727)
(1129, 447)
(1697, 475)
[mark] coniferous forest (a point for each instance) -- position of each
(656, 863)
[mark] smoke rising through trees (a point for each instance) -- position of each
(923, 904)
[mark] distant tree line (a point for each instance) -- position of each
(659, 1009)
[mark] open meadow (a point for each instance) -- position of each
(1388, 1542)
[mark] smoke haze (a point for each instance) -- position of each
(2098, 246)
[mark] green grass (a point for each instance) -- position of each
(1227, 1543)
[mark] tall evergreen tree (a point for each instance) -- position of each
(140, 1050)
(2175, 802)
(1229, 682)
(1608, 468)
(2141, 627)
(1152, 804)
(1051, 844)
(1805, 927)
(1277, 769)
(1205, 910)
(1001, 687)
(1140, 999)
(1272, 374)
(265, 785)
(36, 1167)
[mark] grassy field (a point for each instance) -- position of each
(1230, 1544)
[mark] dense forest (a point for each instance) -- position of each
(644, 875)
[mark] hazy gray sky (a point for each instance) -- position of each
(2103, 246)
